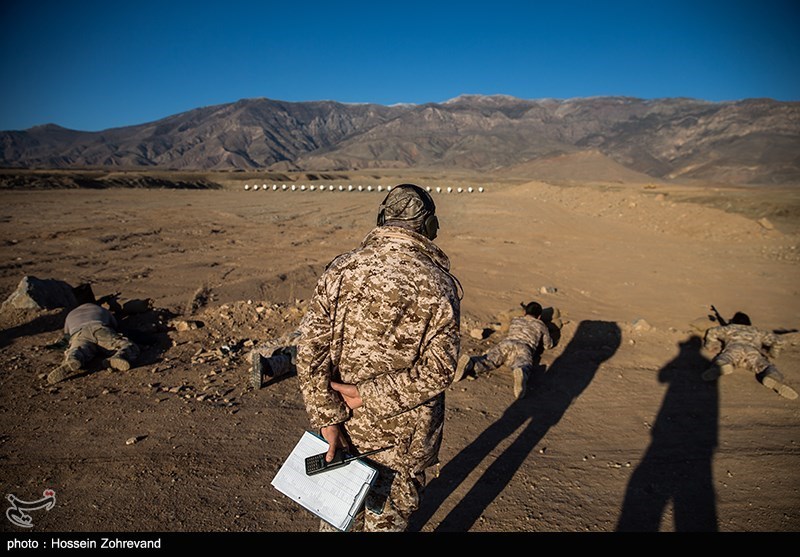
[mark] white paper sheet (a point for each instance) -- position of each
(335, 495)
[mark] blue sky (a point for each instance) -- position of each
(92, 65)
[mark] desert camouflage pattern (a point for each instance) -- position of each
(743, 346)
(283, 345)
(83, 343)
(389, 503)
(385, 317)
(526, 336)
(405, 204)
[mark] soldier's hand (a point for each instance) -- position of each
(349, 393)
(335, 437)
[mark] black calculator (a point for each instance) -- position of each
(316, 463)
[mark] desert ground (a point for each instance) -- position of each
(617, 431)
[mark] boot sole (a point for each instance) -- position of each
(60, 374)
(256, 377)
(520, 383)
(781, 388)
(461, 369)
(119, 364)
(73, 364)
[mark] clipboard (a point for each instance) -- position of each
(336, 495)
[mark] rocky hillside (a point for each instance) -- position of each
(753, 141)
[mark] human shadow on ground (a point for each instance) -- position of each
(549, 397)
(677, 465)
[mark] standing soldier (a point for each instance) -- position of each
(527, 336)
(744, 345)
(378, 349)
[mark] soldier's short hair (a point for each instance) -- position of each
(84, 294)
(740, 318)
(533, 308)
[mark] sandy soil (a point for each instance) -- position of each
(617, 432)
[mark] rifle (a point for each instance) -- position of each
(720, 319)
(113, 302)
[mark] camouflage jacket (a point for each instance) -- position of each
(385, 317)
(531, 331)
(729, 336)
(85, 314)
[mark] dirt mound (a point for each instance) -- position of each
(99, 180)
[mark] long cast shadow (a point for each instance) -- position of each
(549, 398)
(45, 323)
(677, 465)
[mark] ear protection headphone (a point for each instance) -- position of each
(431, 223)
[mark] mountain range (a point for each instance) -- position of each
(751, 141)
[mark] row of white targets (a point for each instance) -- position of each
(303, 187)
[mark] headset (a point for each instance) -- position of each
(431, 223)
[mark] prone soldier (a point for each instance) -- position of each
(272, 360)
(527, 336)
(746, 346)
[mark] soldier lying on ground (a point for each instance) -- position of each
(527, 336)
(91, 328)
(272, 360)
(746, 346)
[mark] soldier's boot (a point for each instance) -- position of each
(61, 373)
(717, 370)
(774, 381)
(465, 367)
(72, 363)
(258, 371)
(520, 382)
(118, 363)
(263, 369)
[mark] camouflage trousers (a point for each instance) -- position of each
(270, 350)
(743, 356)
(389, 503)
(282, 353)
(511, 353)
(84, 344)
